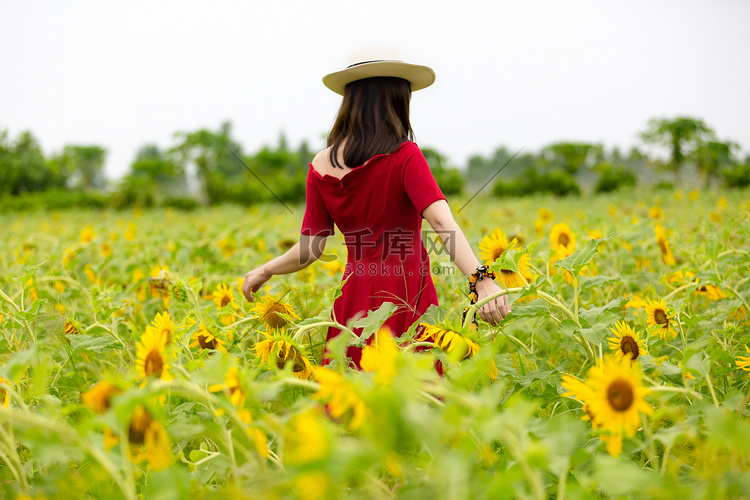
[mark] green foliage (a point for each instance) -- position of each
(449, 179)
(23, 168)
(571, 156)
(612, 178)
(681, 135)
(555, 181)
(86, 165)
(736, 176)
(711, 156)
(495, 425)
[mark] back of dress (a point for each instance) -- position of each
(378, 208)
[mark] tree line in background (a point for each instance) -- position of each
(210, 167)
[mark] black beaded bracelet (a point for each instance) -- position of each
(478, 275)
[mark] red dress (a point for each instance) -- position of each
(378, 208)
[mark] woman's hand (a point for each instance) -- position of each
(496, 309)
(253, 281)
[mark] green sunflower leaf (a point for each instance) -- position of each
(580, 258)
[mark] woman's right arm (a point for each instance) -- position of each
(308, 250)
(438, 214)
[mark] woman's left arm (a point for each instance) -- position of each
(302, 254)
(439, 215)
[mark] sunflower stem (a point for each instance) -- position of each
(679, 289)
(334, 324)
(747, 307)
(551, 300)
(23, 323)
(429, 397)
(711, 388)
(11, 458)
(307, 384)
(651, 447)
(668, 388)
(473, 308)
(415, 345)
(240, 322)
(518, 341)
(67, 434)
(665, 458)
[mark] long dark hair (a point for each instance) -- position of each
(373, 118)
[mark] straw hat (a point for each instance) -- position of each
(379, 61)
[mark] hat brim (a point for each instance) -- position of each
(418, 76)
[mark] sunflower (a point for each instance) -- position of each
(269, 309)
(579, 390)
(70, 329)
(233, 387)
(278, 349)
(206, 340)
(341, 397)
(305, 439)
(666, 252)
(539, 227)
(145, 432)
(681, 277)
(613, 443)
(656, 212)
(87, 234)
(712, 292)
(659, 314)
(223, 296)
(5, 394)
(450, 342)
(163, 325)
(563, 240)
(131, 232)
(151, 359)
(617, 397)
(380, 356)
(742, 362)
(512, 279)
(106, 250)
(636, 303)
(545, 215)
(334, 267)
(68, 255)
(99, 397)
(228, 247)
(626, 343)
(493, 245)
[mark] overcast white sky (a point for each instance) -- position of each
(123, 74)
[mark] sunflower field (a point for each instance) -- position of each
(132, 367)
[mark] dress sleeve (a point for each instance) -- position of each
(419, 183)
(317, 221)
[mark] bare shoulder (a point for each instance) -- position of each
(322, 157)
(322, 163)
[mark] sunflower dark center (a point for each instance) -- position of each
(153, 364)
(663, 246)
(272, 318)
(628, 345)
(563, 240)
(620, 395)
(281, 360)
(138, 426)
(660, 316)
(205, 343)
(225, 300)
